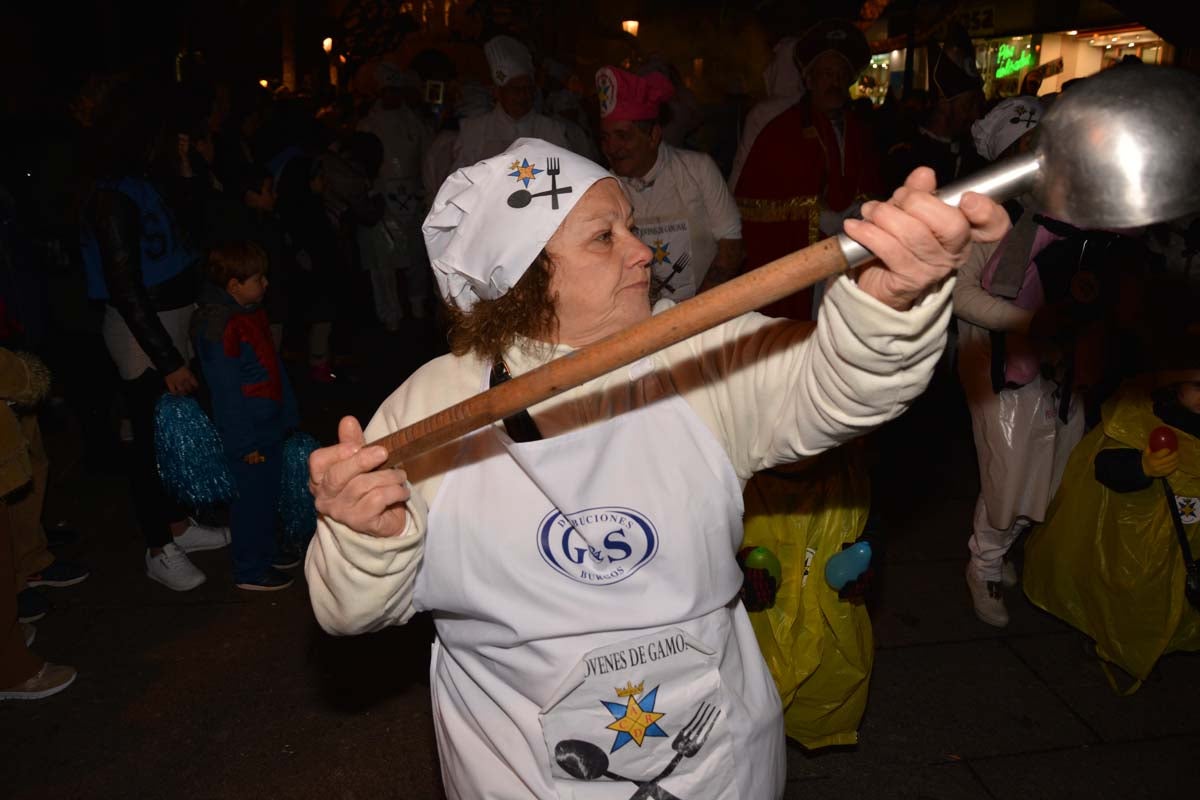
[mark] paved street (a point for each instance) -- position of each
(219, 693)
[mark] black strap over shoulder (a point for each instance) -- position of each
(520, 426)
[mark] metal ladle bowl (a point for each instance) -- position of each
(1120, 150)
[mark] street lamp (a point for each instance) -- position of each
(630, 26)
(327, 46)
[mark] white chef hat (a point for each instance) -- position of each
(1004, 124)
(507, 59)
(489, 221)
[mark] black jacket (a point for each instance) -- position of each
(114, 220)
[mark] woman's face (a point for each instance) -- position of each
(600, 278)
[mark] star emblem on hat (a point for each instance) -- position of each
(524, 171)
(606, 91)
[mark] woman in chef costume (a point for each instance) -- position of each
(579, 558)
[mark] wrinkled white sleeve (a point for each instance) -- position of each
(360, 583)
(775, 391)
(357, 582)
(724, 219)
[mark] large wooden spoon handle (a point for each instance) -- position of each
(755, 289)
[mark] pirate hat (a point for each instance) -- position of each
(834, 35)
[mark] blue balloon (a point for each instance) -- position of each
(847, 566)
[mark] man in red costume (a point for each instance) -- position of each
(808, 169)
(813, 164)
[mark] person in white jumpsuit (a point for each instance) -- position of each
(1020, 440)
(393, 248)
(514, 117)
(579, 559)
(682, 207)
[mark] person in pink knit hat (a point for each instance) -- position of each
(682, 207)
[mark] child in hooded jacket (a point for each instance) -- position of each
(253, 405)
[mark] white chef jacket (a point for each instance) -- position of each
(682, 205)
(490, 134)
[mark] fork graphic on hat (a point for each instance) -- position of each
(522, 197)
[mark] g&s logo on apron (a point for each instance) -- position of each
(597, 546)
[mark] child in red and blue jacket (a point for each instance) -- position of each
(253, 404)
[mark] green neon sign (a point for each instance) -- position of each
(1007, 64)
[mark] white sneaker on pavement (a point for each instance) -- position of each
(988, 600)
(173, 569)
(49, 680)
(198, 538)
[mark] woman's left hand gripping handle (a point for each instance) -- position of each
(349, 487)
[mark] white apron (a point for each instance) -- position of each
(396, 242)
(672, 275)
(590, 643)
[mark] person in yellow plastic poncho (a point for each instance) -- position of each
(817, 644)
(1109, 558)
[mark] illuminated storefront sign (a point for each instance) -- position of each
(1008, 62)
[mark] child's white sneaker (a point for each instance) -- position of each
(173, 569)
(198, 538)
(988, 600)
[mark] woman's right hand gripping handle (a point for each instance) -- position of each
(350, 489)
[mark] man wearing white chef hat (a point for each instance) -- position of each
(511, 69)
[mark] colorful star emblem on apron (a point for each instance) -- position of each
(634, 719)
(662, 253)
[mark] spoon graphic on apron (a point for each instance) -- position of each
(585, 761)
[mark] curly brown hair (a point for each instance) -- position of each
(492, 326)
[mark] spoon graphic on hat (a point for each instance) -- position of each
(522, 197)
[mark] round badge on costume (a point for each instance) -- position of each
(606, 91)
(1189, 509)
